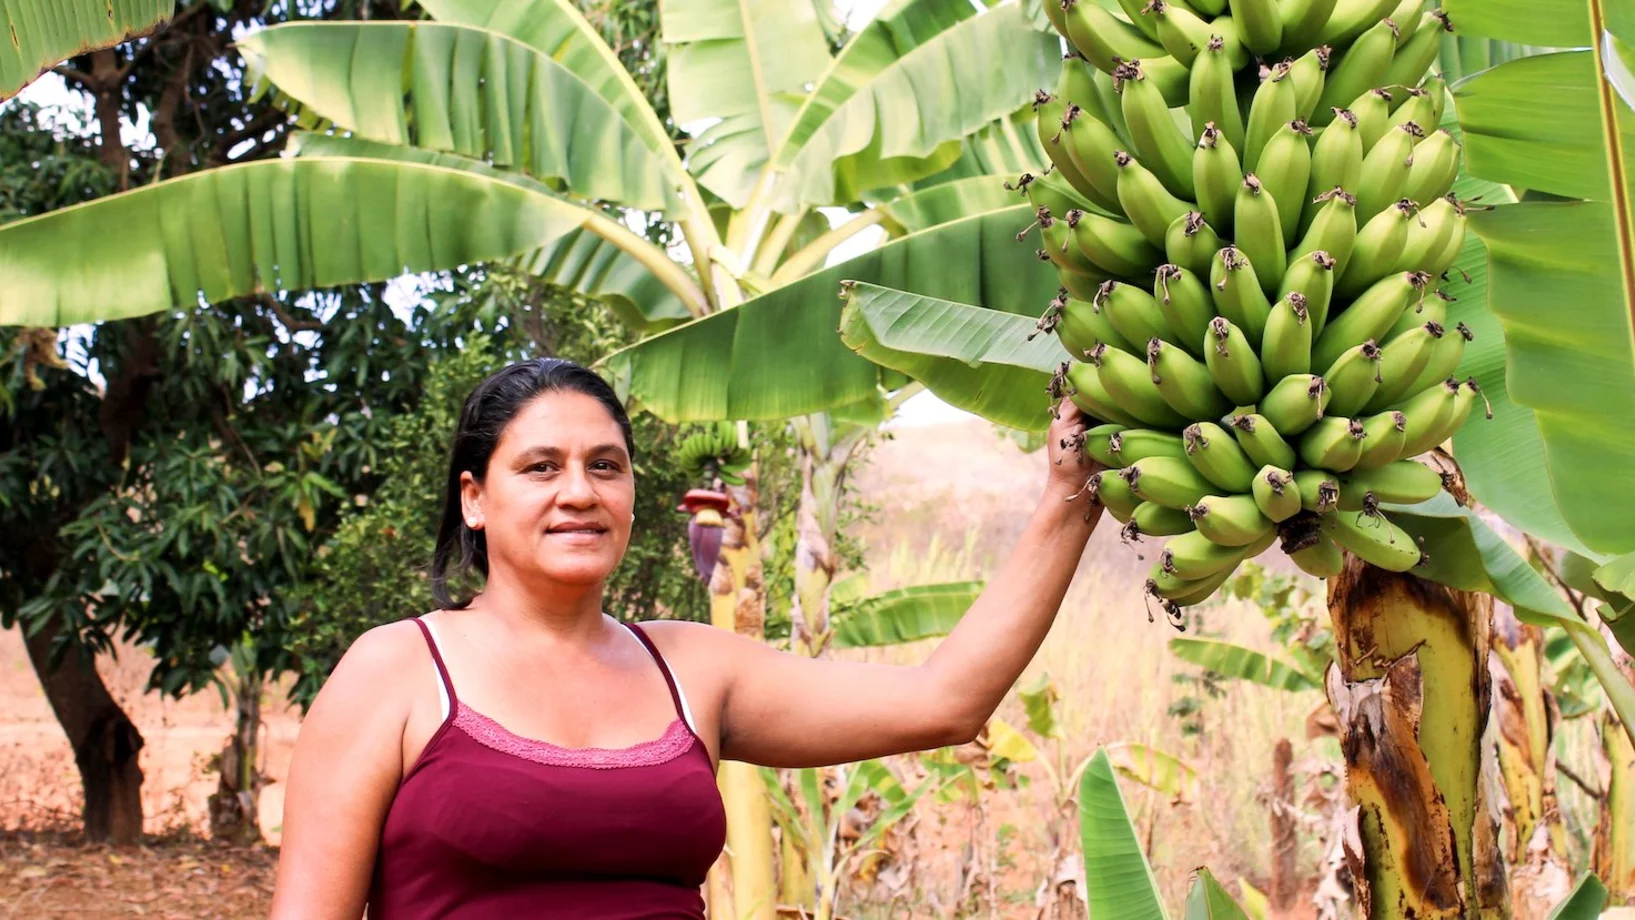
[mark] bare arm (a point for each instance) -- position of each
(343, 774)
(783, 710)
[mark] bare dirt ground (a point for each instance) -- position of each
(952, 500)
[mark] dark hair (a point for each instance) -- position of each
(483, 418)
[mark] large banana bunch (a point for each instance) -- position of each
(1248, 207)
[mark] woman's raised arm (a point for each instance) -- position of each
(779, 709)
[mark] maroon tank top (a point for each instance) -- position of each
(488, 824)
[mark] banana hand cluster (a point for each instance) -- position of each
(1248, 207)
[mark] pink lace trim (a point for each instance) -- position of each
(490, 734)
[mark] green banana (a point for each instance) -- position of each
(1445, 358)
(1319, 490)
(1133, 313)
(1322, 559)
(1307, 73)
(1110, 108)
(1303, 22)
(1080, 384)
(1439, 262)
(1114, 494)
(1184, 381)
(1401, 362)
(1372, 110)
(1260, 22)
(1285, 165)
(1351, 18)
(1081, 326)
(1216, 455)
(1048, 191)
(1373, 538)
(1435, 166)
(1383, 437)
(1415, 105)
(1214, 99)
(1464, 403)
(1080, 287)
(1384, 176)
(1132, 444)
(1428, 237)
(1230, 520)
(1312, 276)
(1259, 232)
(1149, 205)
(1405, 16)
(1056, 244)
(1359, 68)
(1295, 403)
(1216, 177)
(1115, 247)
(1136, 12)
(1333, 230)
(1088, 145)
(1260, 440)
(1428, 412)
(1405, 482)
(1098, 443)
(1286, 346)
(1274, 104)
(1158, 140)
(1334, 443)
(1190, 242)
(1154, 520)
(1370, 316)
(1379, 244)
(1104, 39)
(1169, 482)
(1353, 378)
(1336, 162)
(1417, 55)
(1433, 310)
(1275, 494)
(1049, 111)
(1175, 592)
(1184, 33)
(1127, 380)
(1208, 8)
(1238, 293)
(1186, 306)
(1193, 557)
(1232, 362)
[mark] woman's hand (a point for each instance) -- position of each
(1070, 463)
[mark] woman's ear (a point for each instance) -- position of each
(471, 501)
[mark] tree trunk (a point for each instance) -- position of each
(105, 741)
(738, 603)
(1285, 839)
(1413, 653)
(826, 450)
(234, 813)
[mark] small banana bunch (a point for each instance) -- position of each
(1249, 212)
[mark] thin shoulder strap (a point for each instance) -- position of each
(664, 668)
(436, 656)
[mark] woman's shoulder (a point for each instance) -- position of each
(381, 654)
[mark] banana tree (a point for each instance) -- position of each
(1120, 882)
(44, 32)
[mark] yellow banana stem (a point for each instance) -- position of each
(811, 256)
(775, 242)
(654, 259)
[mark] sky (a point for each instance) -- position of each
(923, 409)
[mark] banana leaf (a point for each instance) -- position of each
(1155, 769)
(466, 90)
(1560, 273)
(1243, 663)
(42, 33)
(1209, 901)
(1039, 702)
(904, 615)
(644, 286)
(978, 360)
(939, 204)
(745, 65)
(288, 224)
(777, 355)
(898, 98)
(1118, 882)
(1616, 584)
(1585, 901)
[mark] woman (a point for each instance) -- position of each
(521, 753)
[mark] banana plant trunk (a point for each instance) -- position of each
(234, 813)
(826, 450)
(1614, 856)
(1411, 691)
(745, 891)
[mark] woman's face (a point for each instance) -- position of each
(555, 504)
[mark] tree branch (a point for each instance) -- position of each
(74, 75)
(291, 324)
(258, 126)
